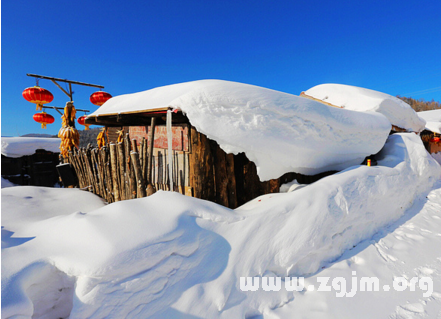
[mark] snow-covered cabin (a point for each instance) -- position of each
(30, 160)
(431, 135)
(233, 142)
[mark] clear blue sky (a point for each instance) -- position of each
(290, 46)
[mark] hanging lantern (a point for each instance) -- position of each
(99, 98)
(82, 120)
(38, 96)
(43, 118)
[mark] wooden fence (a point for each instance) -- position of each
(120, 171)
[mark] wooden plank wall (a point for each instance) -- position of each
(231, 180)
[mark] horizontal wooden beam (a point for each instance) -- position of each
(64, 80)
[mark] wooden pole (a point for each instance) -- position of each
(141, 190)
(129, 168)
(122, 172)
(114, 169)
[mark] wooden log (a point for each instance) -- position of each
(122, 171)
(141, 190)
(105, 154)
(144, 160)
(151, 140)
(88, 173)
(142, 146)
(129, 170)
(134, 146)
(114, 170)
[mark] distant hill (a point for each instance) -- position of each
(38, 135)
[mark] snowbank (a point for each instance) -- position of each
(170, 255)
(433, 120)
(355, 98)
(21, 146)
(279, 132)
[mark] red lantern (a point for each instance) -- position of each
(82, 120)
(43, 118)
(435, 139)
(38, 96)
(99, 98)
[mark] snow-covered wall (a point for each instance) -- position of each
(355, 98)
(21, 146)
(279, 132)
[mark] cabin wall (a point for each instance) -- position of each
(227, 179)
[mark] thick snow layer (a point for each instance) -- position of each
(355, 98)
(433, 120)
(21, 146)
(172, 256)
(279, 132)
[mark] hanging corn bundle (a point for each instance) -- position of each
(68, 133)
(101, 138)
(120, 136)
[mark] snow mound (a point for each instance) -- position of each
(169, 255)
(21, 146)
(355, 98)
(279, 132)
(433, 120)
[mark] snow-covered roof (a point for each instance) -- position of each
(433, 120)
(21, 146)
(279, 132)
(355, 98)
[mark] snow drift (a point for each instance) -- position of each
(279, 132)
(355, 98)
(21, 146)
(169, 255)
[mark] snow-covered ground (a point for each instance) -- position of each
(64, 252)
(21, 146)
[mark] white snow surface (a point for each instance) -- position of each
(355, 98)
(65, 253)
(279, 132)
(433, 120)
(21, 146)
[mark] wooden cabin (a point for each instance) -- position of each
(200, 167)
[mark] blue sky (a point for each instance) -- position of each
(290, 46)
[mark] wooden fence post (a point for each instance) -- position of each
(141, 190)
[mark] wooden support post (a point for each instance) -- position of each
(114, 168)
(141, 190)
